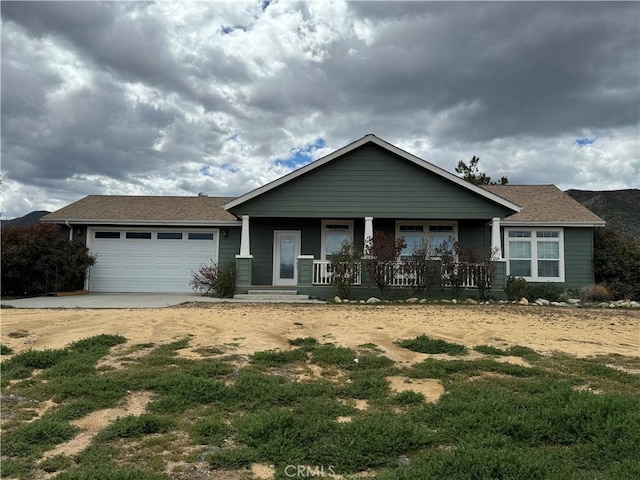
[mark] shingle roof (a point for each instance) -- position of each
(144, 209)
(540, 203)
(544, 204)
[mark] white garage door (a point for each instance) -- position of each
(149, 261)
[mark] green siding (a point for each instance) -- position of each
(371, 181)
(229, 246)
(261, 232)
(578, 257)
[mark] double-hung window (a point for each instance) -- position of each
(535, 254)
(334, 234)
(418, 235)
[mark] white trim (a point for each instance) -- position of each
(245, 237)
(324, 223)
(387, 146)
(496, 247)
(534, 257)
(276, 257)
(368, 229)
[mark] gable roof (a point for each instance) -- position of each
(544, 205)
(372, 139)
(150, 210)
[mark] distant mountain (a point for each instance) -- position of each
(620, 208)
(29, 219)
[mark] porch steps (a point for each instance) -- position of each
(271, 296)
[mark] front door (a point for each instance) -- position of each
(286, 249)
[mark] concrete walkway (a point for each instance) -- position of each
(111, 300)
(119, 300)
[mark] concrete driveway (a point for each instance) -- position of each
(112, 300)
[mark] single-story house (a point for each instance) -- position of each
(282, 235)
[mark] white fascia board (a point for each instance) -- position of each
(387, 146)
(163, 223)
(507, 223)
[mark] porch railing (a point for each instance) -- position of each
(401, 274)
(322, 273)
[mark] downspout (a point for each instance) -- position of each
(66, 222)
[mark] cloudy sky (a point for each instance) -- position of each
(173, 98)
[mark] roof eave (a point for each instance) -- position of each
(563, 223)
(381, 143)
(128, 222)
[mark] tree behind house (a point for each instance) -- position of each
(471, 173)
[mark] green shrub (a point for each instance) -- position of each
(226, 284)
(273, 358)
(214, 280)
(109, 472)
(234, 458)
(135, 426)
(40, 258)
(408, 397)
(549, 291)
(424, 344)
(515, 288)
(616, 263)
(56, 463)
(210, 431)
(5, 349)
(304, 343)
(37, 436)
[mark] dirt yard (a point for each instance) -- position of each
(246, 328)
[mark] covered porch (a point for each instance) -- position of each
(296, 253)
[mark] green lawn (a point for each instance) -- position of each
(559, 418)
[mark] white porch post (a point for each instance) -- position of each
(495, 238)
(368, 229)
(245, 247)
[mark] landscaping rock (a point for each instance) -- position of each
(573, 301)
(423, 300)
(337, 299)
(556, 304)
(412, 300)
(454, 301)
(523, 301)
(445, 301)
(362, 301)
(635, 304)
(542, 302)
(470, 301)
(502, 302)
(373, 300)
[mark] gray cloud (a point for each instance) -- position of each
(136, 97)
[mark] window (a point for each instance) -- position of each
(139, 235)
(439, 236)
(418, 234)
(535, 254)
(334, 234)
(200, 236)
(169, 236)
(107, 235)
(413, 237)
